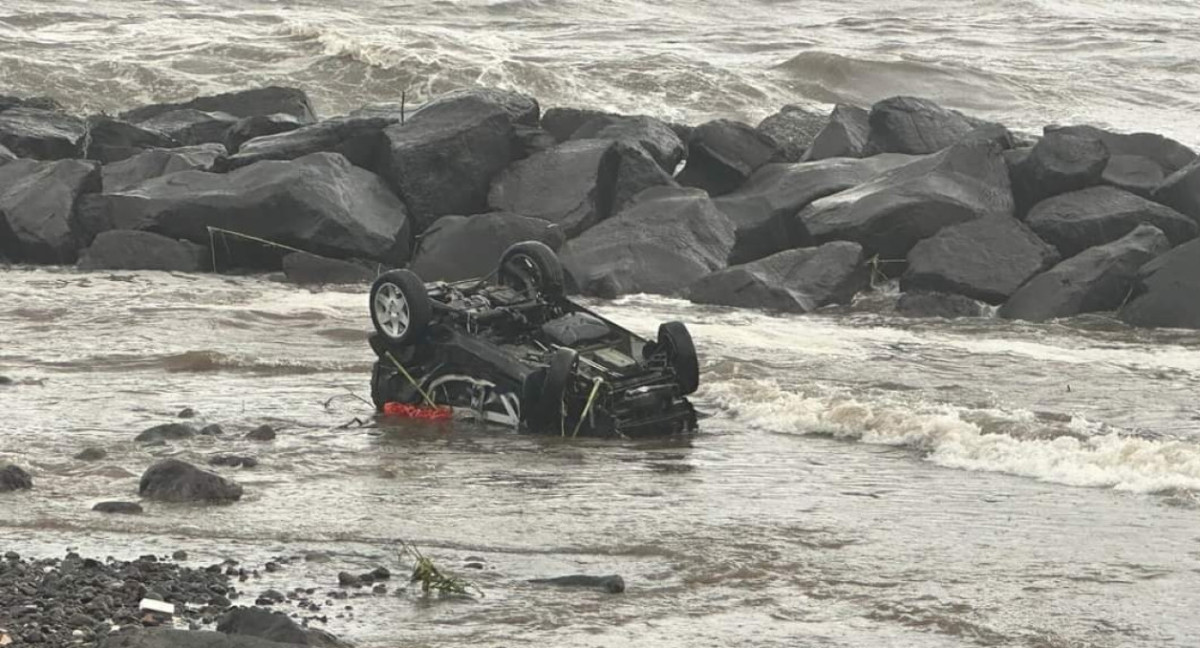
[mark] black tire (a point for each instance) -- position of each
(681, 354)
(546, 409)
(381, 381)
(531, 267)
(400, 307)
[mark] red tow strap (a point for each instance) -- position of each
(404, 410)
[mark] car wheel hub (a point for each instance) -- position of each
(391, 310)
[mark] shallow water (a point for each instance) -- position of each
(858, 480)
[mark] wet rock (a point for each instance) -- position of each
(1180, 191)
(179, 554)
(651, 135)
(464, 247)
(1097, 279)
(359, 139)
(519, 108)
(1167, 290)
(166, 432)
(666, 240)
(249, 128)
(211, 429)
(1059, 163)
(442, 160)
(305, 268)
(473, 565)
(41, 134)
(261, 433)
(346, 579)
(320, 203)
(796, 281)
(172, 480)
(6, 155)
(1075, 221)
(233, 461)
(936, 304)
(122, 508)
(763, 208)
(272, 567)
(891, 213)
(570, 185)
(13, 478)
(381, 573)
(844, 135)
(612, 584)
(914, 126)
(8, 102)
(637, 171)
(1133, 173)
(190, 127)
(792, 130)
(528, 140)
(37, 206)
(271, 597)
(988, 259)
(379, 589)
(113, 140)
(563, 122)
(1167, 153)
(137, 250)
(154, 163)
(243, 103)
(722, 154)
(172, 638)
(186, 413)
(91, 454)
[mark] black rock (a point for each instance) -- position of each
(1168, 154)
(381, 573)
(136, 250)
(6, 155)
(461, 247)
(528, 140)
(186, 413)
(14, 478)
(933, 304)
(1059, 163)
(233, 461)
(1167, 290)
(1180, 191)
(272, 567)
(1097, 279)
(563, 122)
(191, 127)
(763, 209)
(636, 172)
(1133, 173)
(652, 135)
(172, 638)
(41, 134)
(793, 130)
(442, 160)
(249, 128)
(42, 103)
(612, 584)
(359, 139)
(124, 508)
(844, 135)
(261, 433)
(113, 140)
(662, 243)
(172, 480)
(891, 213)
(319, 203)
(987, 259)
(722, 154)
(570, 185)
(37, 208)
(212, 429)
(243, 103)
(153, 163)
(305, 268)
(1075, 221)
(274, 596)
(166, 432)
(91, 454)
(796, 281)
(914, 126)
(519, 108)
(346, 579)
(179, 554)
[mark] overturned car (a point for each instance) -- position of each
(510, 348)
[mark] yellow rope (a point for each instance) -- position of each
(588, 407)
(428, 400)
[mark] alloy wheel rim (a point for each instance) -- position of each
(391, 310)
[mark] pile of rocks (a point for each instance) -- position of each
(1079, 219)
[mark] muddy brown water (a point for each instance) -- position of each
(858, 480)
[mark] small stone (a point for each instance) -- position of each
(186, 413)
(381, 573)
(212, 429)
(91, 454)
(380, 589)
(346, 579)
(272, 567)
(261, 433)
(123, 508)
(179, 555)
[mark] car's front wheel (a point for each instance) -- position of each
(674, 338)
(400, 307)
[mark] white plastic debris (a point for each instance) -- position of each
(158, 607)
(4, 638)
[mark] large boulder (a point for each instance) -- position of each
(792, 130)
(987, 259)
(442, 160)
(528, 140)
(1059, 163)
(914, 126)
(359, 139)
(41, 134)
(722, 154)
(844, 135)
(41, 103)
(1168, 154)
(570, 185)
(305, 268)
(14, 478)
(1181, 191)
(653, 135)
(164, 637)
(172, 480)
(937, 304)
(154, 163)
(796, 281)
(563, 122)
(249, 128)
(6, 155)
(1167, 290)
(1097, 279)
(763, 208)
(243, 103)
(520, 108)
(463, 247)
(191, 127)
(37, 207)
(135, 250)
(319, 203)
(112, 140)
(1082, 219)
(1133, 173)
(662, 243)
(891, 213)
(637, 171)
(273, 626)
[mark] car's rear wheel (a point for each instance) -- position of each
(400, 307)
(550, 389)
(531, 267)
(676, 341)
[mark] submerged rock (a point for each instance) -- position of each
(166, 432)
(936, 304)
(14, 478)
(261, 433)
(1076, 221)
(273, 626)
(461, 247)
(91, 454)
(120, 508)
(612, 584)
(796, 281)
(233, 461)
(136, 250)
(1167, 290)
(722, 154)
(172, 480)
